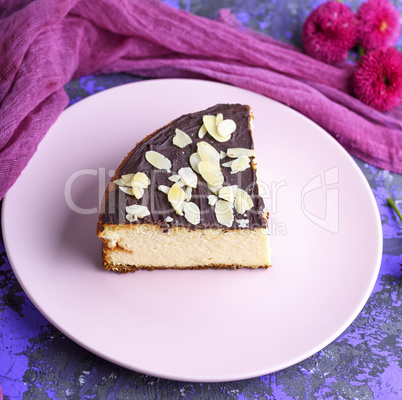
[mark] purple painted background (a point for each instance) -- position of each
(365, 362)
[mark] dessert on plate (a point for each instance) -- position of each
(186, 197)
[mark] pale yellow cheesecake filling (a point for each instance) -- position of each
(143, 245)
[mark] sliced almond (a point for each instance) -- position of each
(240, 164)
(210, 125)
(202, 131)
(224, 213)
(239, 151)
(243, 223)
(192, 213)
(188, 177)
(188, 190)
(219, 119)
(179, 208)
(211, 173)
(127, 190)
(174, 178)
(194, 161)
(208, 152)
(158, 160)
(212, 199)
(164, 189)
(176, 197)
(243, 202)
(140, 180)
(138, 192)
(227, 164)
(226, 127)
(138, 210)
(222, 154)
(181, 139)
(131, 218)
(135, 191)
(215, 189)
(125, 180)
(169, 219)
(227, 193)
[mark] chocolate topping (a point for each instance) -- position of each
(157, 202)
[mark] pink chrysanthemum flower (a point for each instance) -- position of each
(377, 80)
(378, 24)
(329, 32)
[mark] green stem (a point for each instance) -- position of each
(394, 207)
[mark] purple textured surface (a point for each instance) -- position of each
(365, 362)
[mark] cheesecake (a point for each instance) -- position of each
(187, 197)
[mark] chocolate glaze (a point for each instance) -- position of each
(116, 201)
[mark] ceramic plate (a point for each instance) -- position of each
(211, 325)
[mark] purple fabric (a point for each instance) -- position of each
(45, 43)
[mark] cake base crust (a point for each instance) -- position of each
(123, 269)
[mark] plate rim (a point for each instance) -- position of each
(240, 375)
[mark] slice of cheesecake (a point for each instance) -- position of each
(186, 197)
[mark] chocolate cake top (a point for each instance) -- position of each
(198, 172)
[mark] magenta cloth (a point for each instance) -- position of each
(45, 43)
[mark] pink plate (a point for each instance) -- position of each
(212, 325)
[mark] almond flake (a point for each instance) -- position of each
(194, 161)
(210, 125)
(202, 131)
(125, 180)
(227, 193)
(240, 164)
(181, 139)
(174, 178)
(158, 160)
(127, 190)
(140, 180)
(239, 151)
(138, 192)
(164, 189)
(176, 197)
(243, 201)
(243, 223)
(215, 189)
(212, 199)
(211, 173)
(222, 154)
(139, 211)
(208, 152)
(226, 127)
(169, 219)
(188, 177)
(224, 213)
(192, 213)
(188, 190)
(219, 119)
(131, 218)
(227, 164)
(179, 208)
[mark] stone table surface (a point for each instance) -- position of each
(364, 362)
